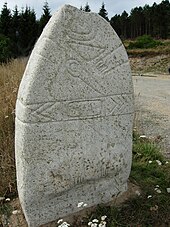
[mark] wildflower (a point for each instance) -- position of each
(149, 196)
(90, 223)
(80, 204)
(59, 221)
(93, 225)
(85, 204)
(158, 190)
(103, 217)
(64, 224)
(150, 161)
(166, 162)
(159, 163)
(6, 116)
(102, 225)
(7, 199)
(168, 190)
(95, 220)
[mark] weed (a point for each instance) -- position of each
(10, 76)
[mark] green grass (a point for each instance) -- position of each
(5, 210)
(145, 42)
(141, 210)
(149, 52)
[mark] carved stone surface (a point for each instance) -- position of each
(74, 116)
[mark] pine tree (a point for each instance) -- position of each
(45, 17)
(87, 8)
(15, 21)
(27, 30)
(5, 20)
(124, 23)
(147, 17)
(5, 48)
(14, 33)
(115, 23)
(164, 19)
(103, 13)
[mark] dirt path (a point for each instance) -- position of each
(152, 104)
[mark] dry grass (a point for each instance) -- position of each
(10, 76)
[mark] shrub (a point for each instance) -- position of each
(144, 41)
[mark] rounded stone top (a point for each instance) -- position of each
(77, 56)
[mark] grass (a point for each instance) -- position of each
(10, 76)
(137, 211)
(150, 60)
(149, 52)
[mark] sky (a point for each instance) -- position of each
(112, 6)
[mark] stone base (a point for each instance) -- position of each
(65, 204)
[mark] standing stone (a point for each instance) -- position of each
(74, 116)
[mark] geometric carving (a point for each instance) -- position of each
(77, 109)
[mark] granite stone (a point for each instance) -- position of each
(74, 117)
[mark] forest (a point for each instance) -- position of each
(19, 30)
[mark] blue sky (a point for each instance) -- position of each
(112, 6)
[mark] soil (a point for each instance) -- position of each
(158, 64)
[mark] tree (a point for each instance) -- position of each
(5, 20)
(14, 33)
(45, 17)
(115, 23)
(137, 22)
(147, 18)
(27, 33)
(5, 52)
(103, 13)
(87, 8)
(124, 24)
(164, 19)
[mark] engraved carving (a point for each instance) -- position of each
(84, 108)
(77, 69)
(81, 31)
(78, 109)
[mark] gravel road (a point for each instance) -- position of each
(152, 105)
